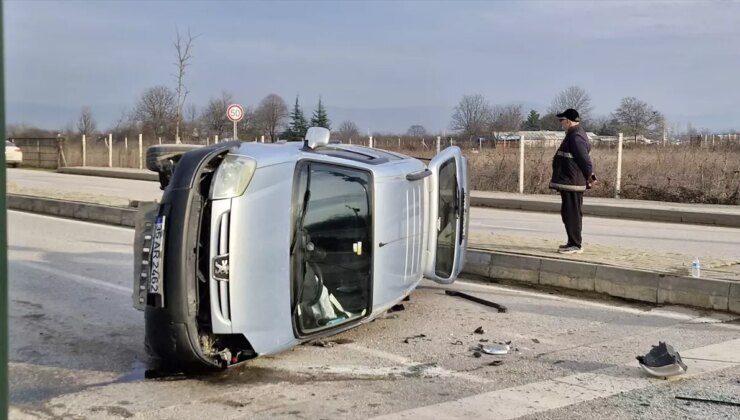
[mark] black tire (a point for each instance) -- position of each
(163, 151)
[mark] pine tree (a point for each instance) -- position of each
(320, 119)
(533, 121)
(298, 124)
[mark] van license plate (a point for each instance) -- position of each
(157, 260)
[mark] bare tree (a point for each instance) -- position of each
(572, 97)
(636, 117)
(271, 115)
(507, 118)
(213, 118)
(183, 50)
(348, 130)
(155, 109)
(472, 116)
(86, 123)
(416, 130)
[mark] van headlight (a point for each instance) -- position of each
(232, 177)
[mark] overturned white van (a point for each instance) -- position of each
(256, 248)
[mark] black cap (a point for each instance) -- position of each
(570, 114)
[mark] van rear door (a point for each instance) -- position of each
(448, 210)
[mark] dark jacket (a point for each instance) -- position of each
(571, 166)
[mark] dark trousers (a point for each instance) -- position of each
(570, 211)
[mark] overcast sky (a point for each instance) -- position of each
(386, 65)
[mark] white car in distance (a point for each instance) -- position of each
(13, 154)
(256, 248)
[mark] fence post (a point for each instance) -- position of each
(125, 143)
(350, 140)
(521, 165)
(480, 143)
(262, 139)
(618, 185)
(160, 140)
(84, 152)
(215, 139)
(110, 150)
(370, 142)
(141, 152)
(439, 140)
(399, 143)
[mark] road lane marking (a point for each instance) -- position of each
(408, 363)
(65, 219)
(539, 397)
(74, 277)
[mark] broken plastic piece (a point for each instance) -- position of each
(479, 330)
(495, 349)
(662, 361)
(499, 307)
(396, 308)
(708, 400)
(414, 337)
(496, 363)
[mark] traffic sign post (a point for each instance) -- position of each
(235, 113)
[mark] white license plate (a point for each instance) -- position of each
(157, 260)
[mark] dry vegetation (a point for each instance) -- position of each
(679, 174)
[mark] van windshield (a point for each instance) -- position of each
(332, 256)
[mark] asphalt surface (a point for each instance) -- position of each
(694, 240)
(76, 351)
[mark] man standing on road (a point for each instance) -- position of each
(572, 174)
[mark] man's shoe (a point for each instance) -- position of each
(571, 250)
(563, 246)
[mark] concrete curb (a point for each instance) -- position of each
(643, 286)
(110, 173)
(89, 212)
(625, 283)
(614, 210)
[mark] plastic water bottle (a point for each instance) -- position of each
(696, 268)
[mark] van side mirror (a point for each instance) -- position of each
(317, 137)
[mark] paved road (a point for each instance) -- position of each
(111, 187)
(694, 240)
(76, 350)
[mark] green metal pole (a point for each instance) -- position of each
(3, 247)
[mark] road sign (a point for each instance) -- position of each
(235, 112)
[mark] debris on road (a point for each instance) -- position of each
(498, 306)
(479, 330)
(495, 349)
(457, 343)
(476, 354)
(331, 343)
(536, 341)
(416, 337)
(496, 363)
(662, 361)
(708, 400)
(397, 308)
